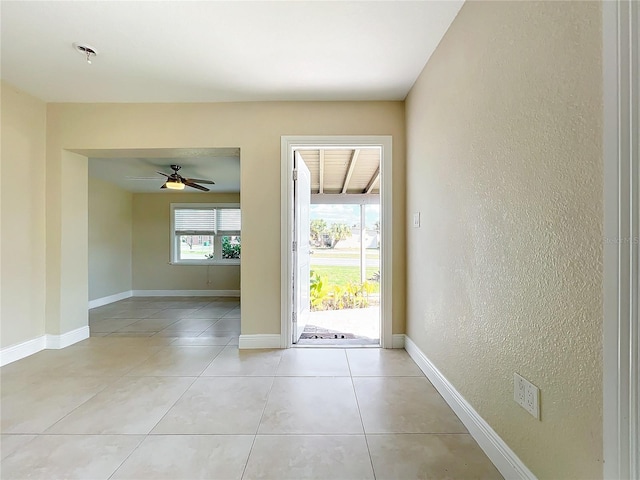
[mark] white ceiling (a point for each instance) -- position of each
(218, 51)
(135, 170)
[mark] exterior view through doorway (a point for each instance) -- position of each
(335, 259)
(345, 275)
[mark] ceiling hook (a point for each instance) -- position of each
(85, 50)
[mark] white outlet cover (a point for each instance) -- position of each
(527, 395)
(416, 220)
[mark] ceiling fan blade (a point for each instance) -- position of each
(164, 185)
(164, 174)
(195, 185)
(196, 180)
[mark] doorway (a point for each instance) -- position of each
(336, 279)
(344, 241)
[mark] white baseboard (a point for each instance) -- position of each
(50, 342)
(99, 302)
(55, 342)
(186, 293)
(21, 350)
(505, 460)
(259, 341)
(397, 340)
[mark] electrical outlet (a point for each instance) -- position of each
(532, 404)
(416, 220)
(519, 389)
(527, 395)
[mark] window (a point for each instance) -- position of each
(205, 234)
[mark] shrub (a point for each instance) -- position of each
(335, 297)
(230, 250)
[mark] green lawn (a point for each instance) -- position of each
(328, 253)
(342, 275)
(198, 252)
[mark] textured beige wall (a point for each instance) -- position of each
(23, 216)
(504, 163)
(110, 211)
(256, 128)
(152, 246)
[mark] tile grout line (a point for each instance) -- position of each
(195, 379)
(16, 451)
(146, 436)
(128, 456)
(208, 364)
(255, 436)
(364, 432)
(253, 442)
(78, 406)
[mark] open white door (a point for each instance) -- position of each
(301, 228)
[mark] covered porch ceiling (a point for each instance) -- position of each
(343, 175)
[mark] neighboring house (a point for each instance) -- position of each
(371, 239)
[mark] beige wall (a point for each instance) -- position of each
(254, 127)
(22, 201)
(110, 242)
(152, 246)
(504, 163)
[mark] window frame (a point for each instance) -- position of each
(174, 252)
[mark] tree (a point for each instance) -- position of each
(318, 229)
(339, 231)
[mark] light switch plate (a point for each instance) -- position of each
(416, 220)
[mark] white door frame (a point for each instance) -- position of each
(621, 334)
(287, 146)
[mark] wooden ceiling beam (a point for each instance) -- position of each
(352, 166)
(372, 182)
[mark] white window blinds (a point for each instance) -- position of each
(207, 221)
(228, 221)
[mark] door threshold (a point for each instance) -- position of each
(335, 345)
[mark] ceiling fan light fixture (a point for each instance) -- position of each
(175, 181)
(174, 185)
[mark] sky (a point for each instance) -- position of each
(349, 214)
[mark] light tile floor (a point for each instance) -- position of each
(161, 391)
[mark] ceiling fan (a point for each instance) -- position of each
(175, 181)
